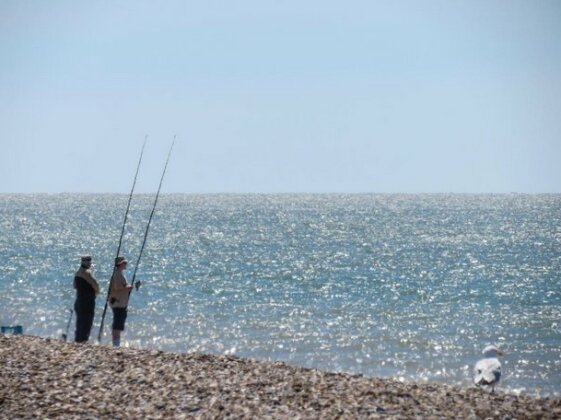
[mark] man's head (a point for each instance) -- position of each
(86, 261)
(120, 262)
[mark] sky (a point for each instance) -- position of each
(281, 96)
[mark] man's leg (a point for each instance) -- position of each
(88, 322)
(79, 335)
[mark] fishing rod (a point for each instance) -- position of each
(65, 335)
(121, 238)
(150, 219)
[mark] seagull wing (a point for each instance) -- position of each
(487, 372)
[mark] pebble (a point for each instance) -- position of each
(43, 378)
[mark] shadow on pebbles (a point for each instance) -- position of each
(44, 378)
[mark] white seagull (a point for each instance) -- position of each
(487, 371)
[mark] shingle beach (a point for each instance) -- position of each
(46, 378)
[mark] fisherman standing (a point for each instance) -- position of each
(119, 299)
(87, 288)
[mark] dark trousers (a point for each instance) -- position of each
(84, 319)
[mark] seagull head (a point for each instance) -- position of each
(492, 351)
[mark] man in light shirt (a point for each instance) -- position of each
(119, 299)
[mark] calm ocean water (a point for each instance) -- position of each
(404, 286)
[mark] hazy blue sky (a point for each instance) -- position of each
(281, 96)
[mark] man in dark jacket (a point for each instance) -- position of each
(87, 288)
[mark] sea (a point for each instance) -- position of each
(403, 286)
